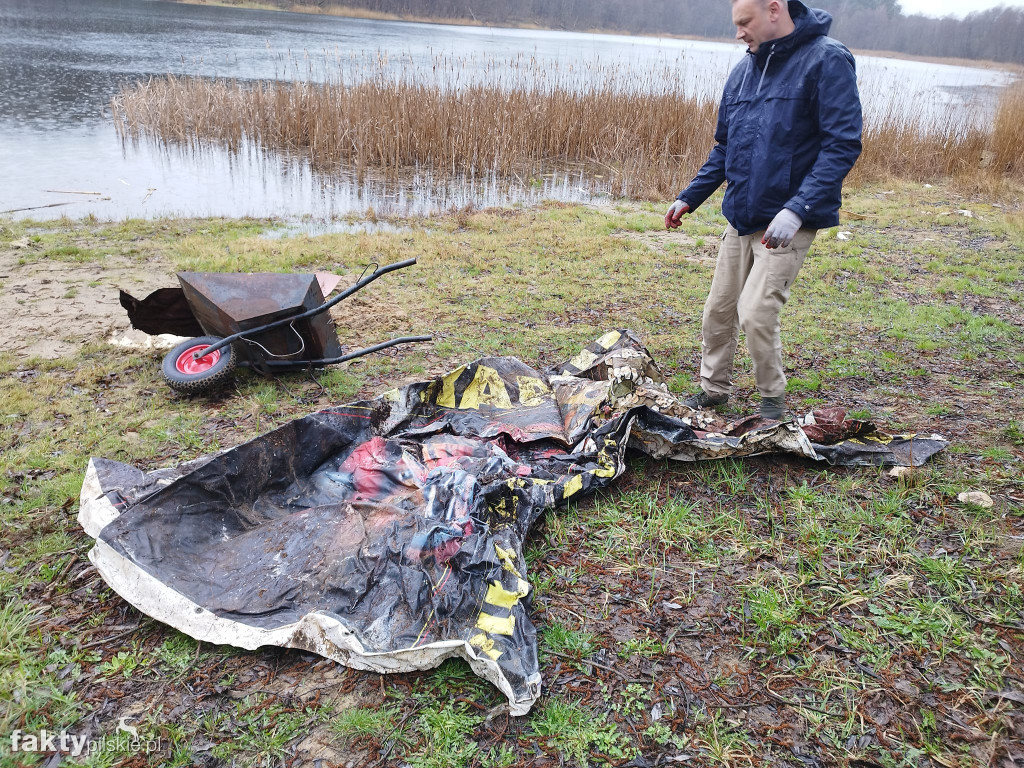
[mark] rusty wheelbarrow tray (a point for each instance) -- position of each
(266, 321)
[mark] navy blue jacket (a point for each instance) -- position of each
(788, 132)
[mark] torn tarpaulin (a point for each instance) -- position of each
(387, 534)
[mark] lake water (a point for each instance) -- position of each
(61, 61)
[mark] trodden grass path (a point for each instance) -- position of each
(764, 612)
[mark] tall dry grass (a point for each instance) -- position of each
(1007, 140)
(895, 146)
(643, 139)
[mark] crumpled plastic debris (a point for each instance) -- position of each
(136, 339)
(387, 534)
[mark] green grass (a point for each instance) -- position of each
(445, 734)
(826, 598)
(570, 729)
(574, 643)
(365, 722)
(260, 730)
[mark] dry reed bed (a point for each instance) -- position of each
(643, 142)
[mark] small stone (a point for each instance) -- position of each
(976, 499)
(905, 476)
(901, 473)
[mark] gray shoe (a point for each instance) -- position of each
(773, 408)
(703, 400)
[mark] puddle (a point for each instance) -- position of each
(317, 227)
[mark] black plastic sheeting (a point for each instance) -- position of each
(165, 310)
(388, 534)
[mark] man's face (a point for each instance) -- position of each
(755, 21)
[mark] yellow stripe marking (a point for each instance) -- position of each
(573, 485)
(507, 558)
(498, 596)
(447, 397)
(608, 340)
(485, 644)
(496, 625)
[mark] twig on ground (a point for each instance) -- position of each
(112, 638)
(587, 661)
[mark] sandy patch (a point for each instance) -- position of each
(51, 308)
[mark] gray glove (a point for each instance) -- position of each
(783, 228)
(674, 216)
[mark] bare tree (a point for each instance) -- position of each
(996, 34)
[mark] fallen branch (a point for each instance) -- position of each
(587, 661)
(37, 207)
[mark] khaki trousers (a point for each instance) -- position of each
(750, 287)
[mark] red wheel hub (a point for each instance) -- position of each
(190, 366)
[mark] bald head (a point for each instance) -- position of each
(758, 21)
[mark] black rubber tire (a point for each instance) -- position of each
(204, 381)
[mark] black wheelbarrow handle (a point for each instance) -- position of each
(285, 364)
(314, 311)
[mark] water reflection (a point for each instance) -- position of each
(154, 179)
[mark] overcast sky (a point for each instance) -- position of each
(952, 7)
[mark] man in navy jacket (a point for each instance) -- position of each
(789, 128)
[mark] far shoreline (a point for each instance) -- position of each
(359, 13)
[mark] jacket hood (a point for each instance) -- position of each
(809, 22)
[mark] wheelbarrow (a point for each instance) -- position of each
(269, 322)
